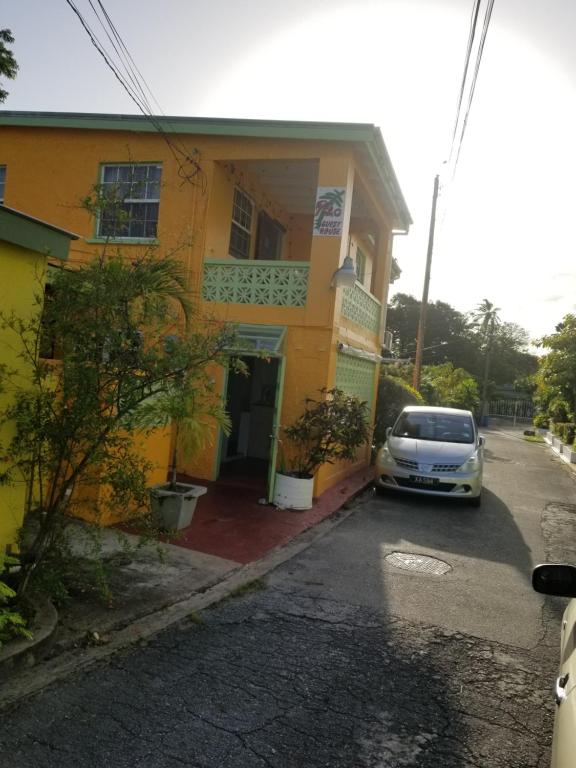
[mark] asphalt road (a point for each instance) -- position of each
(343, 659)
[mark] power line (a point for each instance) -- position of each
(135, 86)
(471, 35)
(487, 17)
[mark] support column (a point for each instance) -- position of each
(329, 251)
(382, 271)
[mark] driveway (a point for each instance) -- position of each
(341, 658)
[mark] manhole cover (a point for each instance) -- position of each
(409, 561)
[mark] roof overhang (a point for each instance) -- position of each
(367, 138)
(34, 234)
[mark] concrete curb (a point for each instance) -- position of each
(32, 681)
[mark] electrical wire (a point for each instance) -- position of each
(136, 86)
(461, 122)
(471, 35)
(487, 17)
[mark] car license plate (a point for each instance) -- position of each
(419, 480)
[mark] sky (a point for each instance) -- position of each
(505, 223)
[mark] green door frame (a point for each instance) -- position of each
(275, 425)
(274, 439)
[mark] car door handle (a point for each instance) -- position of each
(560, 692)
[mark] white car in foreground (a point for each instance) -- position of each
(560, 580)
(433, 451)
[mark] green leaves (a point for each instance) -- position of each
(12, 623)
(133, 356)
(331, 429)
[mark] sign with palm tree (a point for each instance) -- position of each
(329, 211)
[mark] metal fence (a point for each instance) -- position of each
(517, 410)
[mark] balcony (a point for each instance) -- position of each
(265, 283)
(362, 308)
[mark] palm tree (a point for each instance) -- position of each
(486, 319)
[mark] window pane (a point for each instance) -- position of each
(127, 183)
(239, 242)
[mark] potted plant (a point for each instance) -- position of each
(193, 413)
(331, 429)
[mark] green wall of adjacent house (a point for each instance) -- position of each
(22, 274)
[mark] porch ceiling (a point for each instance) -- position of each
(291, 184)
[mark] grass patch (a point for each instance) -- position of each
(245, 589)
(195, 618)
(534, 439)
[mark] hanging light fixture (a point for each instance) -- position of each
(345, 276)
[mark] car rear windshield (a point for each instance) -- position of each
(438, 427)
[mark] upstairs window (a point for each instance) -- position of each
(241, 229)
(2, 183)
(269, 238)
(360, 266)
(131, 196)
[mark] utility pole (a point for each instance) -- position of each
(424, 304)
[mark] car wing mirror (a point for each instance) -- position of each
(388, 432)
(555, 579)
(481, 441)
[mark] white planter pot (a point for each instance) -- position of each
(173, 508)
(569, 453)
(556, 443)
(293, 492)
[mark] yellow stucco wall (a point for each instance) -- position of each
(21, 280)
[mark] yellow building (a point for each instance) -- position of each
(25, 245)
(262, 214)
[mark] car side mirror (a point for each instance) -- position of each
(554, 579)
(481, 441)
(388, 432)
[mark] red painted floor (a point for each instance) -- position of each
(230, 523)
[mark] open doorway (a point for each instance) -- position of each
(250, 401)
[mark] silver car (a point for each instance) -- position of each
(560, 580)
(434, 451)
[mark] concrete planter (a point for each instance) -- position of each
(293, 492)
(173, 507)
(569, 453)
(557, 443)
(548, 437)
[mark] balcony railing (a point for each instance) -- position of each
(269, 283)
(361, 307)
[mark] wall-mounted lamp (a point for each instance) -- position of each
(345, 276)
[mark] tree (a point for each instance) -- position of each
(394, 393)
(8, 64)
(447, 339)
(449, 387)
(511, 363)
(556, 377)
(133, 355)
(487, 320)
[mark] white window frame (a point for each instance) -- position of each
(130, 200)
(360, 265)
(2, 183)
(239, 201)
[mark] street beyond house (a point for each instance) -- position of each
(343, 659)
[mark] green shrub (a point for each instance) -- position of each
(330, 429)
(558, 410)
(566, 431)
(541, 420)
(12, 623)
(393, 395)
